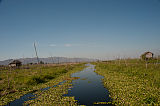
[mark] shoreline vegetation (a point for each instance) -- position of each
(17, 82)
(130, 82)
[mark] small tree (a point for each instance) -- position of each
(41, 62)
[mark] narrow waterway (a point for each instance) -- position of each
(29, 96)
(89, 87)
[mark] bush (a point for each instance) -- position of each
(36, 80)
(41, 62)
(64, 71)
(150, 100)
(48, 77)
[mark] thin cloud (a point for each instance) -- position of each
(67, 45)
(82, 45)
(75, 45)
(52, 45)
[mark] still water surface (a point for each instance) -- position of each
(89, 87)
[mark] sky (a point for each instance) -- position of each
(105, 29)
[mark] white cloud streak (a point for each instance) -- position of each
(74, 45)
(52, 45)
(67, 45)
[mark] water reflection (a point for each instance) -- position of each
(89, 88)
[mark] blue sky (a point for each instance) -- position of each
(79, 28)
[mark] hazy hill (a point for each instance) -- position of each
(48, 60)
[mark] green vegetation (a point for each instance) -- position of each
(17, 82)
(41, 62)
(54, 96)
(130, 82)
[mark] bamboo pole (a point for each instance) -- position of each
(36, 52)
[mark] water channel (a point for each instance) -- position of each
(89, 87)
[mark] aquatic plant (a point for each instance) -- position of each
(33, 78)
(131, 84)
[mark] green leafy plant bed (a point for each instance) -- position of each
(17, 82)
(130, 82)
(54, 96)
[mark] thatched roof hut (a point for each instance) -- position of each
(147, 55)
(15, 63)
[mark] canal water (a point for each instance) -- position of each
(29, 96)
(89, 87)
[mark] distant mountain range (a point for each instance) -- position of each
(48, 60)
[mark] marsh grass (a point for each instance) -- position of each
(131, 84)
(35, 77)
(54, 96)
